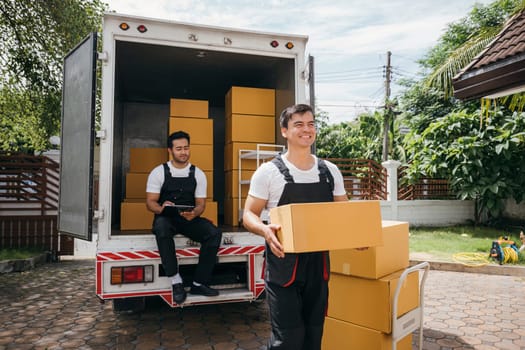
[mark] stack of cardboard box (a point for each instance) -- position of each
(363, 281)
(250, 120)
(133, 212)
(191, 116)
(362, 286)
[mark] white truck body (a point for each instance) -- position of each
(142, 67)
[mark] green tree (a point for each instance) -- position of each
(485, 164)
(20, 121)
(431, 97)
(421, 104)
(464, 39)
(446, 139)
(362, 138)
(34, 38)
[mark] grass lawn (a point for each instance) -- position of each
(19, 253)
(444, 242)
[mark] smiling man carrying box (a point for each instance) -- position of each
(297, 284)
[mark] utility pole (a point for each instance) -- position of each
(387, 113)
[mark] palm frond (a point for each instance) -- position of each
(520, 6)
(441, 78)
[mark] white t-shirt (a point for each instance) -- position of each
(268, 183)
(156, 179)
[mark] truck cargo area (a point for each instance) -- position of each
(147, 76)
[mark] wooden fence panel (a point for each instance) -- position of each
(34, 232)
(424, 188)
(28, 183)
(29, 188)
(363, 178)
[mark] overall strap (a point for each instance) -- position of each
(167, 175)
(324, 174)
(279, 163)
(167, 172)
(192, 171)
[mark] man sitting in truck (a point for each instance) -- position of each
(176, 193)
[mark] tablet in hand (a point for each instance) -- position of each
(173, 210)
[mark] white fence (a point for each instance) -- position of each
(422, 212)
(429, 212)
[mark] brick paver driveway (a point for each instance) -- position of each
(54, 307)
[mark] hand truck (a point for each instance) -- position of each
(413, 319)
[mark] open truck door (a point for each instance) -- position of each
(77, 140)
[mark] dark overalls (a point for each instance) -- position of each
(181, 191)
(297, 285)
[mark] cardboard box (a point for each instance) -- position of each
(188, 108)
(231, 210)
(135, 216)
(309, 227)
(375, 262)
(143, 160)
(202, 157)
(232, 183)
(250, 128)
(344, 335)
(247, 100)
(136, 185)
(210, 212)
(231, 156)
(209, 181)
(200, 130)
(369, 303)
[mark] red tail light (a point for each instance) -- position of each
(131, 274)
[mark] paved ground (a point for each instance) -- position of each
(54, 307)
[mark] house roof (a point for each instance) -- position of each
(499, 69)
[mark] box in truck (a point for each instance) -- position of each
(145, 64)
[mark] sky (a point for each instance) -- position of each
(349, 39)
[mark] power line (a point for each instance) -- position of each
(377, 92)
(354, 80)
(404, 73)
(411, 59)
(359, 70)
(396, 68)
(349, 76)
(356, 105)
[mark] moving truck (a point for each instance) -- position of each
(144, 65)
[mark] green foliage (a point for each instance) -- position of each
(34, 38)
(20, 253)
(362, 139)
(441, 77)
(430, 98)
(486, 163)
(464, 40)
(482, 158)
(482, 21)
(421, 105)
(21, 122)
(37, 34)
(359, 139)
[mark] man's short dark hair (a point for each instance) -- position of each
(295, 109)
(176, 136)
